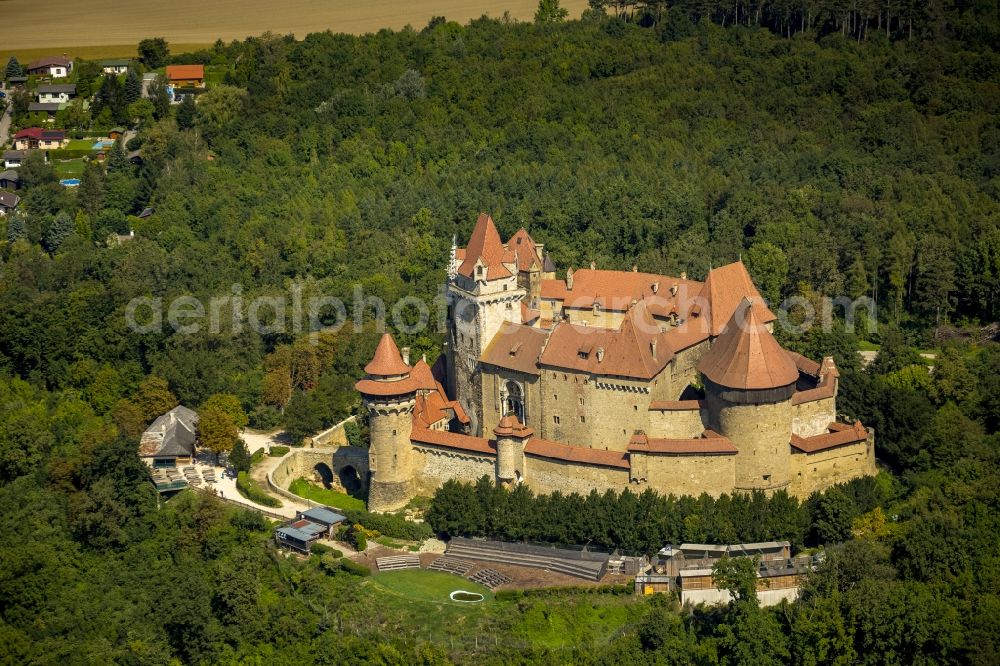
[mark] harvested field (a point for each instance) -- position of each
(98, 23)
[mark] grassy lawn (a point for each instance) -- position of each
(433, 586)
(864, 345)
(69, 168)
(336, 499)
(80, 144)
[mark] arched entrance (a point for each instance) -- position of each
(323, 474)
(512, 398)
(350, 479)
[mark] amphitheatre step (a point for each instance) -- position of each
(578, 568)
(396, 562)
(451, 565)
(491, 578)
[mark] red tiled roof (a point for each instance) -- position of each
(554, 290)
(385, 388)
(724, 289)
(628, 351)
(524, 249)
(516, 347)
(528, 315)
(511, 426)
(805, 365)
(617, 290)
(839, 435)
(422, 375)
(453, 440)
(545, 448)
(182, 72)
(746, 355)
(387, 360)
(710, 444)
(675, 405)
(29, 133)
(484, 245)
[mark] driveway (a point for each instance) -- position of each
(5, 121)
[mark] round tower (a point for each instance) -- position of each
(389, 394)
(511, 436)
(749, 381)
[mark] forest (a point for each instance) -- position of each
(847, 149)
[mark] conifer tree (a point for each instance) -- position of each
(13, 68)
(117, 159)
(16, 228)
(133, 86)
(58, 232)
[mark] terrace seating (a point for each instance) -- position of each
(579, 568)
(490, 578)
(451, 565)
(397, 562)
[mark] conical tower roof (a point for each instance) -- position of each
(387, 361)
(511, 426)
(746, 355)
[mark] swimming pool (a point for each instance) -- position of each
(70, 182)
(101, 145)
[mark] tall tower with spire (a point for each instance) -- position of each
(483, 293)
(749, 382)
(389, 394)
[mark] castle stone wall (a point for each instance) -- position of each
(545, 475)
(817, 471)
(813, 418)
(677, 424)
(436, 465)
(691, 475)
(684, 368)
(762, 434)
(493, 409)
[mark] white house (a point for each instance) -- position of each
(56, 93)
(55, 66)
(115, 66)
(13, 158)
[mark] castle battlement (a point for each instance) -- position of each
(604, 380)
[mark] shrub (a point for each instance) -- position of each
(390, 525)
(323, 549)
(278, 451)
(355, 568)
(360, 540)
(249, 489)
(257, 456)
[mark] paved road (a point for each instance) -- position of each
(5, 123)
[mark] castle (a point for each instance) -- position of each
(604, 380)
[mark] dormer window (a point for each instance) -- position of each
(479, 271)
(597, 308)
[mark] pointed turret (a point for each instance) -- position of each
(746, 356)
(511, 436)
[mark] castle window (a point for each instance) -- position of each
(635, 408)
(393, 433)
(555, 397)
(581, 401)
(555, 419)
(512, 399)
(583, 419)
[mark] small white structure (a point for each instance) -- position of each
(58, 67)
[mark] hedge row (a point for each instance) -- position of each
(70, 154)
(249, 489)
(354, 568)
(617, 590)
(322, 548)
(278, 451)
(390, 525)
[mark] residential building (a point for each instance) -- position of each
(170, 439)
(115, 66)
(27, 138)
(13, 158)
(52, 140)
(186, 76)
(9, 180)
(57, 67)
(8, 202)
(56, 93)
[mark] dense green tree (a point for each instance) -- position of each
(13, 68)
(153, 52)
(57, 233)
(132, 89)
(549, 11)
(186, 113)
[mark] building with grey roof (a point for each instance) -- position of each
(170, 438)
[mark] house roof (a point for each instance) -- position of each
(511, 426)
(710, 443)
(44, 106)
(617, 290)
(485, 247)
(452, 440)
(746, 355)
(387, 361)
(49, 61)
(422, 375)
(725, 288)
(324, 515)
(175, 72)
(676, 405)
(525, 251)
(638, 348)
(11, 175)
(296, 534)
(171, 434)
(53, 135)
(29, 133)
(14, 154)
(57, 88)
(9, 199)
(840, 434)
(516, 347)
(545, 448)
(123, 62)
